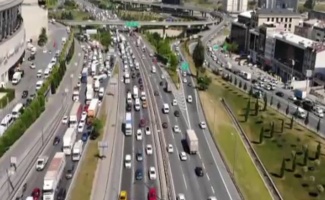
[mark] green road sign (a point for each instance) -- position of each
(215, 47)
(132, 24)
(184, 66)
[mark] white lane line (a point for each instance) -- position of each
(212, 190)
(184, 180)
(208, 177)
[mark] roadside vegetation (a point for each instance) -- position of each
(225, 135)
(8, 96)
(307, 5)
(69, 11)
(215, 5)
(42, 38)
(165, 54)
(50, 4)
(138, 16)
(103, 36)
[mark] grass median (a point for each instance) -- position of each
(226, 137)
(85, 177)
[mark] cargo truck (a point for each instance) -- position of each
(135, 92)
(300, 94)
(92, 111)
(192, 141)
(53, 176)
(75, 114)
(69, 139)
(77, 150)
(128, 124)
(89, 93)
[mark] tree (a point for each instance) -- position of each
(318, 151)
(318, 125)
(265, 102)
(278, 105)
(307, 119)
(261, 135)
(287, 109)
(306, 152)
(245, 87)
(198, 56)
(173, 61)
(248, 108)
(310, 4)
(240, 84)
(294, 159)
(272, 130)
(257, 107)
(97, 127)
(42, 38)
(232, 47)
(250, 93)
(283, 167)
(105, 39)
(271, 102)
(291, 122)
(204, 82)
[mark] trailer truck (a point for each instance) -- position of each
(53, 176)
(89, 93)
(75, 114)
(192, 141)
(69, 139)
(128, 124)
(77, 150)
(92, 111)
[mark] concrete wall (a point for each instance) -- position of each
(11, 51)
(35, 18)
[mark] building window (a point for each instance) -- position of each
(289, 25)
(285, 19)
(272, 19)
(290, 19)
(268, 19)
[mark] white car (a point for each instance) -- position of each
(39, 73)
(32, 66)
(149, 149)
(81, 127)
(152, 173)
(184, 80)
(84, 114)
(180, 197)
(189, 99)
(203, 125)
(147, 130)
(176, 129)
(65, 119)
(292, 98)
(174, 103)
(78, 84)
(212, 198)
(162, 76)
(139, 134)
(183, 156)
(170, 148)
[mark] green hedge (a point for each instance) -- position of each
(10, 95)
(70, 52)
(37, 106)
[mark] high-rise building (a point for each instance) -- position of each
(173, 2)
(235, 6)
(273, 4)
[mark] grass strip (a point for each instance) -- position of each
(229, 142)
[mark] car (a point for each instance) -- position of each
(65, 119)
(184, 80)
(36, 194)
(128, 108)
(162, 76)
(139, 134)
(56, 141)
(81, 127)
(280, 94)
(32, 66)
(25, 94)
(176, 129)
(165, 125)
(292, 98)
(149, 149)
(78, 84)
(212, 198)
(147, 130)
(138, 74)
(174, 103)
(138, 174)
(141, 87)
(139, 156)
(69, 173)
(152, 194)
(180, 196)
(199, 171)
(152, 173)
(134, 75)
(176, 113)
(61, 194)
(123, 195)
(203, 125)
(170, 148)
(84, 137)
(156, 93)
(144, 104)
(142, 123)
(140, 81)
(161, 83)
(183, 156)
(39, 73)
(189, 99)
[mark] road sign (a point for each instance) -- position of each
(215, 47)
(132, 24)
(184, 66)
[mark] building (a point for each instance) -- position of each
(35, 18)
(313, 29)
(278, 4)
(12, 38)
(235, 6)
(240, 29)
(173, 2)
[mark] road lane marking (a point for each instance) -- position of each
(184, 180)
(213, 190)
(208, 177)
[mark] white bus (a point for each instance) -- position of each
(18, 109)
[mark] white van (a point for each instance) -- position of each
(143, 96)
(153, 69)
(137, 104)
(39, 73)
(166, 108)
(46, 73)
(127, 161)
(39, 84)
(17, 110)
(6, 122)
(129, 98)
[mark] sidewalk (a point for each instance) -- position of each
(99, 188)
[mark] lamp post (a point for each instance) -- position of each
(293, 62)
(235, 154)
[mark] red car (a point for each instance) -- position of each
(36, 194)
(142, 123)
(152, 195)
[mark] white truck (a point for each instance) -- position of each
(138, 42)
(75, 114)
(92, 110)
(53, 176)
(135, 92)
(41, 163)
(192, 141)
(96, 85)
(77, 150)
(89, 93)
(16, 78)
(69, 139)
(128, 124)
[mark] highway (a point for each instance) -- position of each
(184, 178)
(138, 189)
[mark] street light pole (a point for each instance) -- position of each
(235, 155)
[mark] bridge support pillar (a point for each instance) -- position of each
(164, 32)
(185, 32)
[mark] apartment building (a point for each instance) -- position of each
(313, 29)
(235, 6)
(278, 4)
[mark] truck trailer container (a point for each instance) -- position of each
(128, 124)
(300, 94)
(69, 139)
(84, 75)
(92, 110)
(75, 114)
(192, 141)
(53, 176)
(77, 150)
(135, 92)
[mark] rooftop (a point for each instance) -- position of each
(316, 23)
(276, 11)
(247, 14)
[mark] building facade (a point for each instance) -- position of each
(12, 38)
(235, 6)
(278, 4)
(173, 2)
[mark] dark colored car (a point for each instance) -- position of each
(199, 171)
(141, 87)
(69, 173)
(36, 194)
(84, 137)
(140, 81)
(61, 194)
(128, 107)
(280, 94)
(142, 123)
(25, 94)
(138, 174)
(165, 125)
(139, 156)
(134, 75)
(156, 93)
(56, 140)
(176, 113)
(138, 74)
(161, 83)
